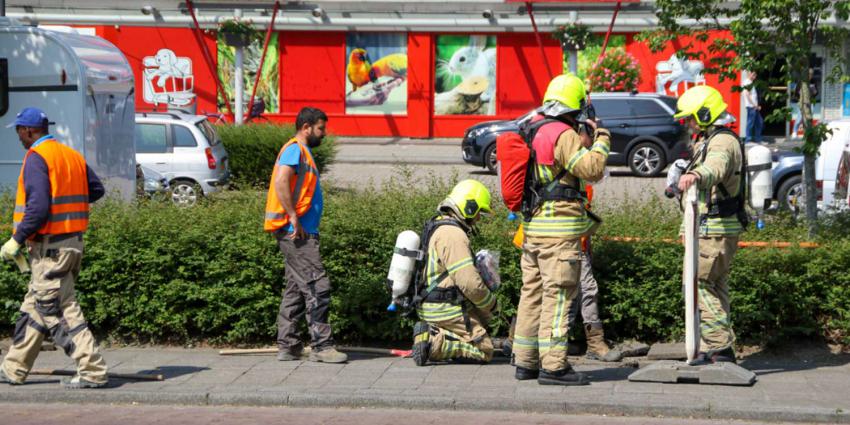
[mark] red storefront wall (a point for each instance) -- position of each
(648, 61)
(312, 70)
(139, 42)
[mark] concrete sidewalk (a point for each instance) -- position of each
(398, 151)
(806, 385)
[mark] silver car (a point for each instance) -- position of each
(185, 149)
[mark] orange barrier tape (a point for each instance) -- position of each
(741, 244)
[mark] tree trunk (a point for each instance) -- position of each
(810, 156)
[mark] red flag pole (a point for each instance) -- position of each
(207, 56)
(539, 40)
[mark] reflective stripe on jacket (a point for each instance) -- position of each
(303, 187)
(722, 165)
(69, 189)
(568, 219)
(450, 265)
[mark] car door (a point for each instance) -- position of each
(189, 159)
(652, 119)
(153, 147)
(616, 116)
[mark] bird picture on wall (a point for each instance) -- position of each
(379, 86)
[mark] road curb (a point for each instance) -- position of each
(563, 405)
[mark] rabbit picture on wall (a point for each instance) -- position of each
(458, 63)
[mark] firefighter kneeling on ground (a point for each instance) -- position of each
(456, 305)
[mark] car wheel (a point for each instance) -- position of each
(490, 158)
(791, 194)
(185, 193)
(647, 159)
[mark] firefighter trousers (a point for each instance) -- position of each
(715, 261)
(550, 276)
(50, 308)
(450, 339)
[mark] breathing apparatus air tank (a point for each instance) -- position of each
(403, 265)
(761, 182)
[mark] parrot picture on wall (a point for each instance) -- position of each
(376, 73)
(359, 68)
(392, 65)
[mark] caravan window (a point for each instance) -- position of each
(151, 138)
(4, 86)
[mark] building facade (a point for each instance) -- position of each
(401, 69)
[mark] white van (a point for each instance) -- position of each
(829, 156)
(84, 84)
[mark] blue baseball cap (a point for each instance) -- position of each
(30, 117)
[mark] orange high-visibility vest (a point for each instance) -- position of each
(69, 189)
(302, 188)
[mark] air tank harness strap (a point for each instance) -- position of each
(451, 296)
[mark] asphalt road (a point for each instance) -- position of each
(90, 414)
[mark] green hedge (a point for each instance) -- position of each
(156, 273)
(252, 149)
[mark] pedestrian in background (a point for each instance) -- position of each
(755, 122)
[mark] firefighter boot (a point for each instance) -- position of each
(421, 343)
(565, 376)
(328, 355)
(721, 356)
(523, 374)
(597, 348)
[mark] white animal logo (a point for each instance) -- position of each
(172, 76)
(675, 72)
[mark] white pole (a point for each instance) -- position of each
(573, 60)
(238, 79)
(689, 275)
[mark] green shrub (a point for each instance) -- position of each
(253, 148)
(153, 272)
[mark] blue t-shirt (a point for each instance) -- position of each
(310, 220)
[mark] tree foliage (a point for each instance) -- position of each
(768, 37)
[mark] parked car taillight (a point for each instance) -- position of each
(210, 158)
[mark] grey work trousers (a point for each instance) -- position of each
(308, 289)
(588, 296)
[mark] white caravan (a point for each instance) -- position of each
(84, 84)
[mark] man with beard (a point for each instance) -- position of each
(293, 211)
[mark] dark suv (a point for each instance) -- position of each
(644, 134)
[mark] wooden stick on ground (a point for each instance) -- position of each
(366, 350)
(134, 376)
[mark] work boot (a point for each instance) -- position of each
(597, 348)
(421, 343)
(76, 382)
(328, 355)
(726, 355)
(507, 347)
(289, 354)
(523, 374)
(565, 376)
(6, 380)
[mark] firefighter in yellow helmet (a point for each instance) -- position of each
(551, 257)
(716, 170)
(455, 305)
